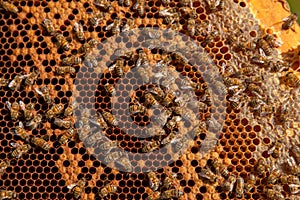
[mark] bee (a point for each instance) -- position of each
(239, 187)
(139, 6)
(20, 131)
(275, 150)
(96, 18)
(15, 84)
(168, 99)
(78, 188)
(63, 123)
(99, 120)
(260, 166)
(172, 193)
(153, 196)
(113, 156)
(118, 67)
(71, 60)
(294, 188)
(35, 122)
(109, 118)
(27, 110)
(154, 182)
(3, 165)
(227, 186)
(150, 100)
(215, 4)
(191, 26)
(219, 168)
(289, 21)
(142, 60)
(124, 2)
(162, 118)
(295, 150)
(172, 123)
(157, 92)
(293, 168)
(63, 70)
(165, 2)
(14, 109)
(125, 163)
(19, 149)
(66, 136)
(137, 108)
(144, 74)
(3, 82)
(45, 93)
(48, 25)
(170, 138)
(78, 29)
(108, 145)
(291, 79)
(272, 41)
(114, 27)
(91, 61)
(168, 182)
(186, 3)
(208, 175)
(30, 79)
(103, 4)
(62, 42)
(151, 146)
(273, 194)
(250, 183)
(56, 109)
(7, 194)
(289, 179)
(261, 43)
(108, 189)
(69, 110)
(109, 88)
(40, 142)
(155, 131)
(255, 89)
(8, 7)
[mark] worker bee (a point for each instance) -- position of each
(150, 100)
(118, 67)
(155, 131)
(168, 98)
(99, 121)
(255, 89)
(151, 146)
(291, 79)
(78, 188)
(3, 165)
(172, 193)
(214, 5)
(30, 78)
(191, 26)
(19, 149)
(71, 60)
(113, 156)
(62, 42)
(27, 110)
(142, 60)
(272, 41)
(45, 93)
(168, 182)
(78, 29)
(14, 109)
(109, 88)
(63, 70)
(207, 174)
(157, 92)
(139, 6)
(273, 194)
(15, 84)
(108, 145)
(170, 138)
(125, 163)
(56, 109)
(219, 168)
(162, 118)
(109, 118)
(90, 61)
(124, 2)
(63, 123)
(109, 188)
(66, 136)
(40, 142)
(260, 166)
(7, 194)
(8, 7)
(144, 74)
(103, 4)
(137, 108)
(239, 187)
(154, 182)
(186, 3)
(227, 186)
(3, 82)
(153, 195)
(250, 183)
(35, 122)
(69, 110)
(289, 21)
(114, 27)
(275, 150)
(48, 25)
(172, 123)
(20, 131)
(261, 43)
(295, 150)
(96, 18)
(294, 188)
(292, 167)
(289, 179)
(165, 2)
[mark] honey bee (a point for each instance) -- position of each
(69, 110)
(78, 29)
(109, 88)
(154, 182)
(289, 21)
(289, 179)
(172, 193)
(48, 25)
(261, 43)
(191, 26)
(118, 67)
(170, 138)
(62, 42)
(214, 5)
(165, 2)
(239, 187)
(40, 142)
(14, 109)
(124, 2)
(20, 131)
(295, 150)
(155, 131)
(63, 123)
(125, 163)
(139, 6)
(275, 150)
(219, 168)
(137, 108)
(168, 99)
(3, 165)
(144, 74)
(66, 136)
(186, 3)
(208, 175)
(7, 194)
(153, 196)
(15, 84)
(157, 92)
(273, 194)
(30, 78)
(71, 60)
(292, 166)
(99, 120)
(227, 186)
(272, 41)
(3, 82)
(63, 70)
(162, 118)
(291, 79)
(19, 149)
(255, 89)
(113, 156)
(45, 93)
(168, 182)
(108, 145)
(172, 123)
(294, 188)
(250, 183)
(8, 7)
(260, 166)
(56, 109)
(78, 188)
(109, 188)
(109, 118)
(150, 100)
(96, 18)
(142, 60)
(27, 110)
(35, 122)
(114, 27)
(90, 60)
(150, 146)
(103, 4)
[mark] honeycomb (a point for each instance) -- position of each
(250, 107)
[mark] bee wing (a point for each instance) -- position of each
(13, 144)
(8, 105)
(22, 105)
(71, 185)
(286, 18)
(108, 27)
(135, 6)
(38, 91)
(112, 67)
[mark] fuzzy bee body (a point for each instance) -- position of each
(7, 194)
(9, 7)
(30, 79)
(14, 109)
(63, 70)
(56, 109)
(63, 123)
(35, 122)
(3, 165)
(45, 93)
(151, 146)
(78, 29)
(48, 25)
(62, 42)
(66, 136)
(172, 193)
(289, 21)
(19, 150)
(154, 182)
(40, 142)
(108, 189)
(96, 18)
(78, 188)
(72, 60)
